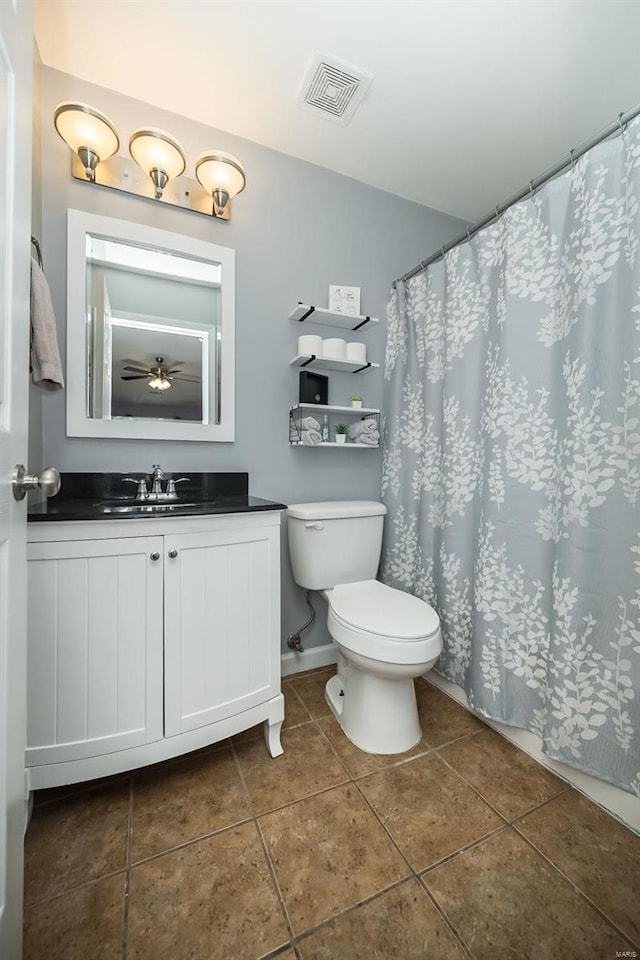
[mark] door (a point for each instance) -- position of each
(222, 615)
(94, 649)
(15, 231)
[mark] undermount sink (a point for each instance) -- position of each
(142, 507)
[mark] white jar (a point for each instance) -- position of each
(309, 344)
(357, 352)
(334, 348)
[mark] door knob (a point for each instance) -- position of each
(173, 554)
(48, 481)
(154, 555)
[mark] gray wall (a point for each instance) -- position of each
(296, 229)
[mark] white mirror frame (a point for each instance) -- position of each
(79, 224)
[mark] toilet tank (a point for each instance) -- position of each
(335, 542)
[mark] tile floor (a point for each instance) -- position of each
(464, 848)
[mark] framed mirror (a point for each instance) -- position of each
(150, 333)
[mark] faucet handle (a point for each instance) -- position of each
(141, 492)
(171, 485)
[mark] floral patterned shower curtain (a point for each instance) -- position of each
(512, 461)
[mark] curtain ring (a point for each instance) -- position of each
(442, 252)
(620, 116)
(497, 211)
(571, 156)
(468, 233)
(532, 192)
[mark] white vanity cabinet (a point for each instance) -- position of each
(148, 638)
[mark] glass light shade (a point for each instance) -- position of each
(80, 126)
(220, 171)
(160, 383)
(157, 150)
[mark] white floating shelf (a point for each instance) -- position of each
(305, 313)
(328, 408)
(337, 446)
(326, 363)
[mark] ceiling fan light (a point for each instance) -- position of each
(160, 383)
(87, 132)
(159, 154)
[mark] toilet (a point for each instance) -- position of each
(385, 638)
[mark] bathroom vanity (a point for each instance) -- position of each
(154, 627)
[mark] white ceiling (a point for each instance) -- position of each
(470, 99)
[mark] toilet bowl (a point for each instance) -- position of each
(385, 638)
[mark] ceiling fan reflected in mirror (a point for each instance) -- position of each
(159, 376)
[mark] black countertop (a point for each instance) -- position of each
(105, 496)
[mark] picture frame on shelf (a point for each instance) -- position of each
(345, 300)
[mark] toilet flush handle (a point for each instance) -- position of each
(315, 525)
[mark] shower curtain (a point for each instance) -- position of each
(511, 466)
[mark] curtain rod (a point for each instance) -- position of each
(617, 126)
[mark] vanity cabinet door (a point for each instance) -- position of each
(94, 647)
(222, 615)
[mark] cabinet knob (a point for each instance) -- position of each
(154, 555)
(173, 554)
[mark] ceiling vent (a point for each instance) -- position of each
(333, 89)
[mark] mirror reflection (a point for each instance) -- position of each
(153, 334)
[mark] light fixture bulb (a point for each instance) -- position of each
(87, 132)
(160, 382)
(222, 176)
(159, 154)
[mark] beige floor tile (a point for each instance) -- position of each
(329, 852)
(72, 841)
(505, 900)
(180, 801)
(509, 779)
(310, 689)
(295, 711)
(428, 809)
(357, 762)
(86, 923)
(596, 852)
(307, 765)
(441, 718)
(211, 900)
(402, 924)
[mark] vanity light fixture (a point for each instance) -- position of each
(156, 167)
(222, 176)
(88, 132)
(159, 154)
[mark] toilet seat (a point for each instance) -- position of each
(382, 623)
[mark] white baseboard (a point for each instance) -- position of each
(625, 806)
(309, 659)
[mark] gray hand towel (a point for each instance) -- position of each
(46, 366)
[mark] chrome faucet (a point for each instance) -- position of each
(156, 492)
(156, 481)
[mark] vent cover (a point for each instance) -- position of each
(333, 89)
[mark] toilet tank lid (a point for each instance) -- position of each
(336, 509)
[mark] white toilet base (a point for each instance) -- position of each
(377, 714)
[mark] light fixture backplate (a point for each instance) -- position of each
(123, 173)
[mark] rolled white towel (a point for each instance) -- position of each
(363, 428)
(309, 423)
(368, 439)
(311, 438)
